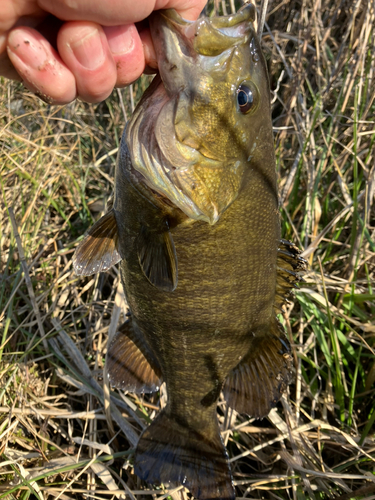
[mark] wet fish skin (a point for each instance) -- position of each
(198, 232)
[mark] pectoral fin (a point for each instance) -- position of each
(130, 364)
(256, 384)
(98, 251)
(157, 258)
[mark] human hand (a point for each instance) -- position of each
(63, 49)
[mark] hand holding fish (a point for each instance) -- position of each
(62, 50)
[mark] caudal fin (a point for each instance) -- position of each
(172, 452)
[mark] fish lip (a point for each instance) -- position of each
(179, 42)
(246, 14)
(173, 50)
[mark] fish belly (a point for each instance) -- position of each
(201, 331)
(224, 298)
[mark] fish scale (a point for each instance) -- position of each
(198, 235)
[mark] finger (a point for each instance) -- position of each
(84, 49)
(126, 48)
(108, 13)
(40, 66)
(117, 12)
(47, 25)
(148, 49)
(25, 13)
(187, 9)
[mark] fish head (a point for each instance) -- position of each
(194, 133)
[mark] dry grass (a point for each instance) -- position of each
(58, 436)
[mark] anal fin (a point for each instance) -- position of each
(257, 383)
(98, 251)
(130, 364)
(157, 258)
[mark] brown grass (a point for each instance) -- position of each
(59, 438)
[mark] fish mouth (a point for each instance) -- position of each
(174, 134)
(179, 42)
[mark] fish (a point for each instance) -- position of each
(195, 225)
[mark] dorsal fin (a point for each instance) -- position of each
(157, 258)
(290, 267)
(98, 251)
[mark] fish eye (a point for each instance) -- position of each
(247, 97)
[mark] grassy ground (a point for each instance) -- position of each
(58, 437)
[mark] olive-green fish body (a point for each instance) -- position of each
(196, 224)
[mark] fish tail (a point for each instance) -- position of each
(169, 450)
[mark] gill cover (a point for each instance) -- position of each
(188, 137)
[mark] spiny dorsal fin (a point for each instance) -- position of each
(98, 251)
(290, 266)
(130, 364)
(256, 384)
(157, 258)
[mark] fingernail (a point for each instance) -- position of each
(88, 49)
(120, 38)
(31, 52)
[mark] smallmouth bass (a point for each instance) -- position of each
(195, 224)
